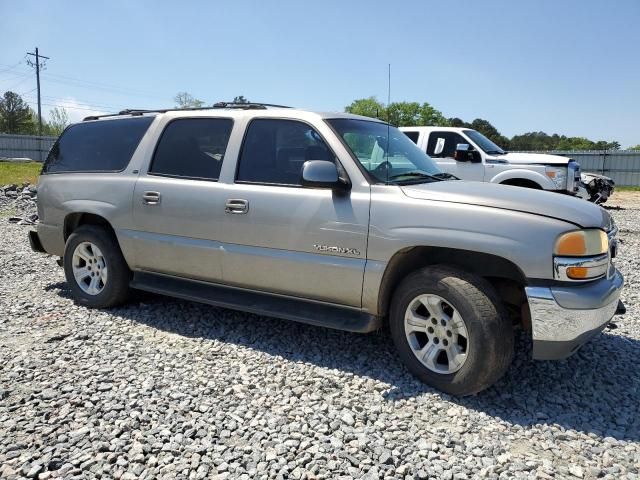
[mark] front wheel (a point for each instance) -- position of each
(450, 330)
(95, 269)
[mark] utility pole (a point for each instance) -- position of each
(37, 65)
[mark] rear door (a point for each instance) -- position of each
(283, 238)
(441, 146)
(178, 203)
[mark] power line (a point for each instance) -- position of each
(69, 106)
(12, 67)
(115, 90)
(91, 83)
(20, 82)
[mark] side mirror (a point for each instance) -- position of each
(322, 174)
(465, 153)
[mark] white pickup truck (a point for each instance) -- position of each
(469, 155)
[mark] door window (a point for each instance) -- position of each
(443, 144)
(192, 148)
(274, 151)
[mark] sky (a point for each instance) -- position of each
(561, 66)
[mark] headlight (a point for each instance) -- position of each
(582, 243)
(558, 176)
(581, 255)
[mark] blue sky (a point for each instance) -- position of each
(571, 67)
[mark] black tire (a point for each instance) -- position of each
(491, 339)
(116, 289)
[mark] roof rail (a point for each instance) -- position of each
(137, 112)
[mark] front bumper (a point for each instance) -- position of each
(565, 318)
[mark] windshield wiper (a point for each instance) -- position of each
(499, 152)
(416, 175)
(446, 175)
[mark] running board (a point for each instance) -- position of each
(339, 318)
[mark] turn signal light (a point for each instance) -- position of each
(578, 273)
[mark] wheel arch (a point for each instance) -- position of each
(530, 177)
(504, 275)
(522, 182)
(74, 220)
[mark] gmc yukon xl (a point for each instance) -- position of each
(330, 219)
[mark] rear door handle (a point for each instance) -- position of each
(236, 205)
(151, 198)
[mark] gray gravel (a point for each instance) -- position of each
(170, 389)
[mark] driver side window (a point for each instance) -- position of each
(443, 144)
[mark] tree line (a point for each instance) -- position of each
(16, 116)
(411, 114)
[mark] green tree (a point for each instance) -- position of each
(186, 100)
(400, 114)
(240, 99)
(58, 121)
(575, 143)
(534, 141)
(367, 107)
(488, 130)
(637, 147)
(458, 123)
(408, 114)
(15, 115)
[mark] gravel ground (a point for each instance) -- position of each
(169, 389)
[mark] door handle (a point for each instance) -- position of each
(151, 198)
(236, 205)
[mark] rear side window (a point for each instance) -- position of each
(443, 144)
(274, 151)
(101, 146)
(413, 136)
(192, 148)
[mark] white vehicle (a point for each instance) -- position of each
(469, 155)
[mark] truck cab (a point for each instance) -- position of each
(469, 155)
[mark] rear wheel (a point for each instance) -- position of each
(95, 269)
(450, 330)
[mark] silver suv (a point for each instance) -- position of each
(329, 219)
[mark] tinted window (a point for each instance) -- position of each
(413, 136)
(275, 150)
(193, 148)
(443, 144)
(103, 145)
(485, 144)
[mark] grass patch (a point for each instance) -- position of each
(19, 173)
(626, 189)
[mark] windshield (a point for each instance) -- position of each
(385, 152)
(484, 143)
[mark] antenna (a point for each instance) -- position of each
(388, 120)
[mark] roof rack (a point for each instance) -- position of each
(138, 112)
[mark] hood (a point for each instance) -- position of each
(532, 158)
(536, 202)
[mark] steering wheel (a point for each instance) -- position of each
(382, 170)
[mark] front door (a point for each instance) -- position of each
(283, 238)
(178, 203)
(441, 146)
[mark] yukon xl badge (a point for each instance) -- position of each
(333, 249)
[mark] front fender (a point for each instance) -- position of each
(398, 222)
(521, 173)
